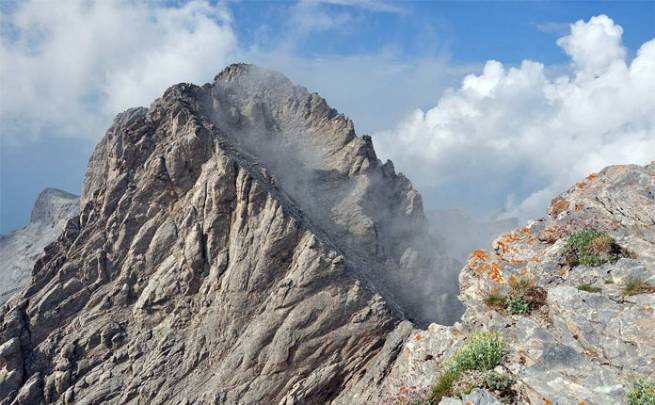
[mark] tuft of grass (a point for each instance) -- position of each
(498, 381)
(591, 248)
(519, 286)
(482, 351)
(495, 300)
(517, 306)
(642, 393)
(443, 385)
(637, 285)
(589, 288)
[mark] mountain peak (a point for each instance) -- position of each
(243, 240)
(51, 204)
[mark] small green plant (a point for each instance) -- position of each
(495, 300)
(637, 285)
(589, 288)
(642, 393)
(498, 381)
(482, 351)
(516, 306)
(591, 248)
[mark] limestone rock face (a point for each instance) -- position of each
(20, 249)
(580, 347)
(237, 243)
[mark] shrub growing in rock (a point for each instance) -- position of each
(497, 381)
(482, 351)
(642, 393)
(516, 306)
(591, 248)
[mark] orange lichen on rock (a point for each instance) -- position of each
(557, 205)
(495, 273)
(511, 237)
(534, 259)
(479, 254)
(417, 337)
(502, 246)
(592, 177)
(518, 262)
(578, 206)
(525, 230)
(581, 185)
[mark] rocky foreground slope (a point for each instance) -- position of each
(587, 334)
(20, 249)
(237, 243)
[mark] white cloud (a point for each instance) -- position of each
(68, 69)
(594, 45)
(518, 130)
(315, 15)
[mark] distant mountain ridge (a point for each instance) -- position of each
(20, 249)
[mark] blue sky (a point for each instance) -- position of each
(65, 76)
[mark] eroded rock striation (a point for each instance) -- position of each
(20, 249)
(587, 334)
(237, 243)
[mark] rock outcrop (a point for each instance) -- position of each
(237, 243)
(590, 336)
(20, 249)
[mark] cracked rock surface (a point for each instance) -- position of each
(580, 347)
(236, 243)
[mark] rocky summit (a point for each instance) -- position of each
(238, 243)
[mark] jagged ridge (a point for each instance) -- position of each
(201, 269)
